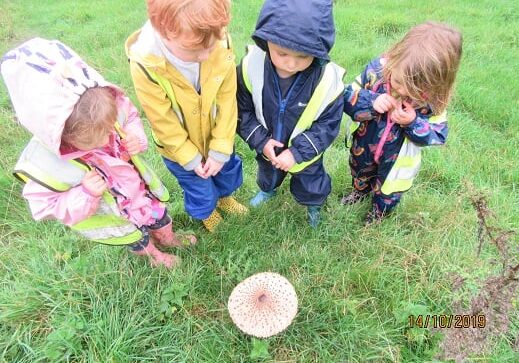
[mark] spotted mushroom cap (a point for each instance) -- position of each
(263, 305)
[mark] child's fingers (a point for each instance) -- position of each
(276, 143)
(200, 173)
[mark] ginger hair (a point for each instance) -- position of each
(203, 20)
(93, 117)
(427, 58)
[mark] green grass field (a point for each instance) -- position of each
(64, 299)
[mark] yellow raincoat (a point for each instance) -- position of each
(209, 118)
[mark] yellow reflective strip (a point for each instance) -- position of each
(393, 186)
(308, 116)
(22, 177)
(119, 241)
(298, 167)
(119, 130)
(438, 118)
(166, 86)
(100, 221)
(44, 178)
(156, 140)
(152, 180)
(79, 165)
(407, 161)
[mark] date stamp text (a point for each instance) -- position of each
(447, 321)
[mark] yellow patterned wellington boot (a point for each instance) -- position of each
(211, 222)
(231, 206)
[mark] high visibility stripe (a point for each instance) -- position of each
(394, 186)
(325, 93)
(148, 175)
(405, 169)
(27, 170)
(407, 161)
(437, 119)
(110, 236)
(166, 86)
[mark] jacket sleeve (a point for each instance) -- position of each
(358, 96)
(320, 135)
(166, 127)
(133, 123)
(249, 128)
(428, 130)
(224, 130)
(68, 207)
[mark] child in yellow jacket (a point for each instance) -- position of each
(184, 75)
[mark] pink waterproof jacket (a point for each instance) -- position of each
(43, 95)
(123, 180)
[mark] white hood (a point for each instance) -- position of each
(45, 79)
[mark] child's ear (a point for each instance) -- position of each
(425, 96)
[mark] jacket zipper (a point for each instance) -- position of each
(281, 114)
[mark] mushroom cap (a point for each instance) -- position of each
(263, 304)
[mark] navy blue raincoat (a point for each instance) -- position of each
(306, 27)
(303, 26)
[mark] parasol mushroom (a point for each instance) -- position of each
(263, 305)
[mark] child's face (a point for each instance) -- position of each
(397, 85)
(399, 91)
(181, 48)
(288, 62)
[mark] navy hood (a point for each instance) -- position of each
(302, 25)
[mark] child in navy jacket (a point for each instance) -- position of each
(289, 104)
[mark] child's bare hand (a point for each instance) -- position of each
(285, 160)
(384, 103)
(132, 144)
(94, 183)
(199, 170)
(212, 167)
(404, 115)
(268, 149)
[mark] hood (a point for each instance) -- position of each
(302, 25)
(45, 79)
(144, 47)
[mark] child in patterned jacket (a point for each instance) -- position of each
(399, 103)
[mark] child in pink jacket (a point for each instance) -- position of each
(81, 166)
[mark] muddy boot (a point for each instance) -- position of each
(353, 197)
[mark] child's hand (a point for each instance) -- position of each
(132, 144)
(385, 103)
(268, 149)
(404, 114)
(285, 160)
(94, 183)
(199, 170)
(212, 167)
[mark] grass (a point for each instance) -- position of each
(64, 299)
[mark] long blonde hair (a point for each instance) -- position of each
(427, 58)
